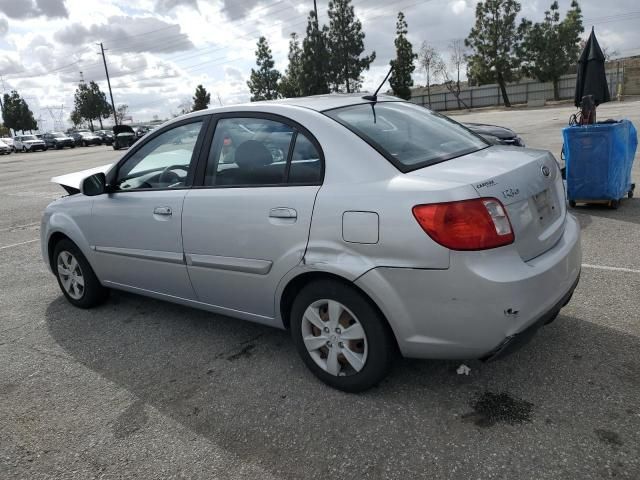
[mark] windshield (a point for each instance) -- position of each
(28, 137)
(58, 135)
(409, 136)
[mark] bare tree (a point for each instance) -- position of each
(608, 52)
(458, 59)
(429, 59)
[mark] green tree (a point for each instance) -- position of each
(263, 82)
(315, 58)
(291, 83)
(75, 118)
(90, 103)
(345, 42)
(201, 99)
(400, 79)
(550, 48)
(16, 113)
(494, 42)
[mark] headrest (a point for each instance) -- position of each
(252, 154)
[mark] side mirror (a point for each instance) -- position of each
(94, 185)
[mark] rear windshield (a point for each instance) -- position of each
(408, 135)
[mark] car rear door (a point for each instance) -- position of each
(136, 230)
(247, 223)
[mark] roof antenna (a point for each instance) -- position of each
(374, 97)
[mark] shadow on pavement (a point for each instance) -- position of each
(243, 386)
(628, 211)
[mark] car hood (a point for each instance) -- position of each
(493, 130)
(118, 129)
(74, 180)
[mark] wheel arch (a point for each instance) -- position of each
(54, 238)
(297, 283)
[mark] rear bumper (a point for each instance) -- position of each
(483, 301)
(514, 342)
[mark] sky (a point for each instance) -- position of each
(158, 51)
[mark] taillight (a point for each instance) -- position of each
(476, 224)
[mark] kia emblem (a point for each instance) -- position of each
(545, 171)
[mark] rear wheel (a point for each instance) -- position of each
(614, 204)
(572, 203)
(340, 336)
(76, 278)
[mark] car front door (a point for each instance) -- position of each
(136, 229)
(247, 222)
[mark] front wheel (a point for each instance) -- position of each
(341, 337)
(76, 278)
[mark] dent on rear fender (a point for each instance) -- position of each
(336, 258)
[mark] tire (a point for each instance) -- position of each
(45, 149)
(24, 150)
(73, 146)
(614, 204)
(85, 144)
(572, 203)
(376, 348)
(89, 296)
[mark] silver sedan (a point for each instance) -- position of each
(366, 226)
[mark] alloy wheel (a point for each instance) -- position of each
(334, 338)
(70, 275)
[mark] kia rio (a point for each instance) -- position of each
(365, 226)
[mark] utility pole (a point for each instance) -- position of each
(113, 105)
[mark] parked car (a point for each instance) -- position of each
(141, 130)
(365, 226)
(106, 136)
(123, 137)
(496, 135)
(28, 143)
(9, 142)
(58, 140)
(85, 138)
(4, 148)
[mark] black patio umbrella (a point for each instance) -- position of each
(591, 79)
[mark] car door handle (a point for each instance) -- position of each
(283, 212)
(165, 211)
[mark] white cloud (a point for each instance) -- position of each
(458, 7)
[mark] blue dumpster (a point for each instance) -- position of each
(599, 159)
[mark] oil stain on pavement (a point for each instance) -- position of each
(491, 408)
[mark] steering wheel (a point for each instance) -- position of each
(170, 177)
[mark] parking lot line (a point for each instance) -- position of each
(18, 244)
(16, 227)
(613, 269)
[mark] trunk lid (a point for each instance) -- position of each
(529, 184)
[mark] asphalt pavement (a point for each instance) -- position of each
(138, 388)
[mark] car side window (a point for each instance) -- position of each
(163, 162)
(306, 164)
(248, 151)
